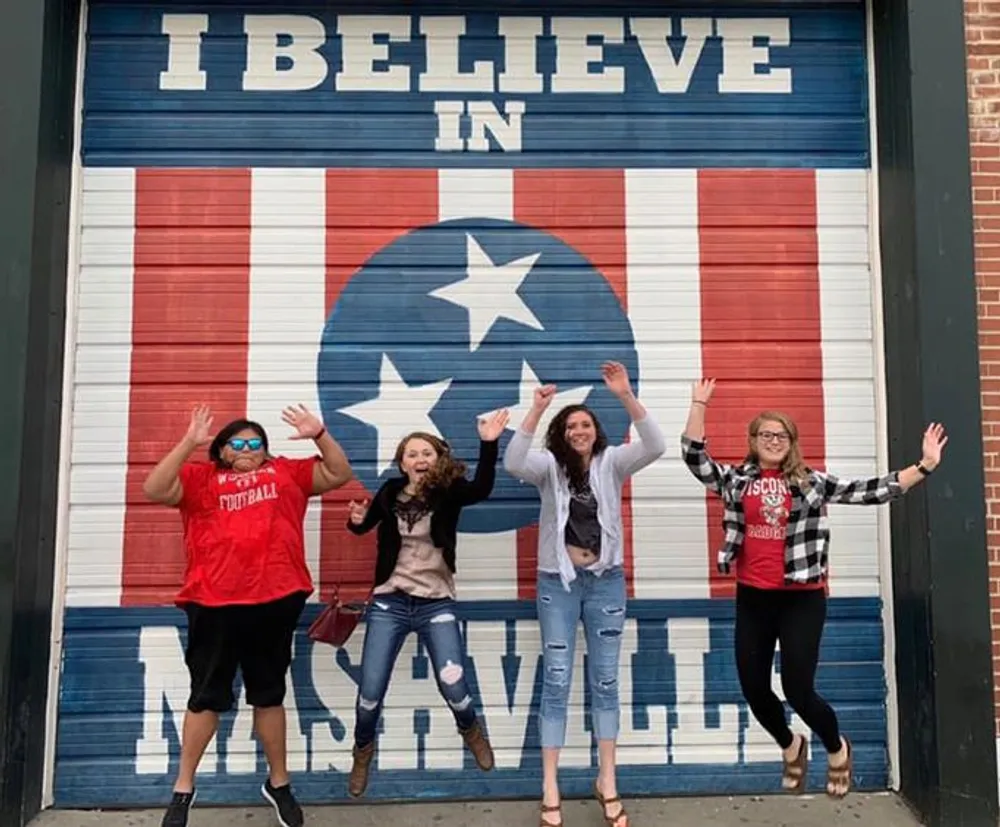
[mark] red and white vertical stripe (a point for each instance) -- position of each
(214, 285)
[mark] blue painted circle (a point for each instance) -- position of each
(386, 309)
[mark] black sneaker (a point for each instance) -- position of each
(285, 806)
(178, 809)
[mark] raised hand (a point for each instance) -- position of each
(616, 378)
(357, 511)
(200, 428)
(543, 397)
(933, 444)
(306, 424)
(492, 426)
(701, 391)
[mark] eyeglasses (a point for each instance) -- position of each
(772, 436)
(252, 444)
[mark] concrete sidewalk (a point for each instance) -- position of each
(881, 810)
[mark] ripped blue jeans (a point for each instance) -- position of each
(390, 618)
(600, 602)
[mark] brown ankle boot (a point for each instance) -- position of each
(358, 780)
(480, 748)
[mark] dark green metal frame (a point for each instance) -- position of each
(940, 569)
(940, 579)
(38, 63)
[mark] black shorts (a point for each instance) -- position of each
(257, 639)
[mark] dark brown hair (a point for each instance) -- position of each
(228, 432)
(566, 457)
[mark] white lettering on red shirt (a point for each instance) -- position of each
(243, 532)
(767, 504)
(241, 499)
(773, 508)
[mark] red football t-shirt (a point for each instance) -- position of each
(767, 502)
(243, 532)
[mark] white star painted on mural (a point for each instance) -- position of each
(489, 292)
(397, 410)
(574, 395)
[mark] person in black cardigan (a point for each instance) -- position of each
(417, 516)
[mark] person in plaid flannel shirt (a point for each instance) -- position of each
(776, 539)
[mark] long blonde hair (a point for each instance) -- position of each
(793, 466)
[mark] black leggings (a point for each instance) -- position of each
(795, 619)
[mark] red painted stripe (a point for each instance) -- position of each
(760, 314)
(190, 312)
(586, 210)
(365, 210)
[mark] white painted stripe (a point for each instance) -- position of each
(487, 563)
(475, 193)
(287, 312)
(848, 371)
(100, 400)
(670, 532)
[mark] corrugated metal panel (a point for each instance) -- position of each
(698, 102)
(254, 248)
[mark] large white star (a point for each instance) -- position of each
(529, 382)
(397, 410)
(489, 292)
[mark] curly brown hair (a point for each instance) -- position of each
(793, 466)
(566, 457)
(446, 470)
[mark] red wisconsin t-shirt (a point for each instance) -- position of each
(243, 532)
(767, 502)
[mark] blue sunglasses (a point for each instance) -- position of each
(252, 444)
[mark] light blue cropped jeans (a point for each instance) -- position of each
(600, 602)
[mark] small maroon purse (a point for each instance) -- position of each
(337, 621)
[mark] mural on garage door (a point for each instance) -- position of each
(405, 220)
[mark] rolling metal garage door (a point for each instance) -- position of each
(405, 219)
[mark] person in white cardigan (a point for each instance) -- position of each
(581, 571)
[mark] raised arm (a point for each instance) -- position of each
(632, 457)
(362, 517)
(878, 490)
(469, 492)
(701, 395)
(333, 470)
(163, 484)
(519, 460)
(713, 475)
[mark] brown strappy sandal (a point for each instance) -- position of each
(611, 821)
(841, 776)
(547, 809)
(795, 770)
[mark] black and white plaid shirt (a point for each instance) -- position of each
(807, 535)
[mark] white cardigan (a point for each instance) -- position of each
(608, 472)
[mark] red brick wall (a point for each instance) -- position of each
(982, 34)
